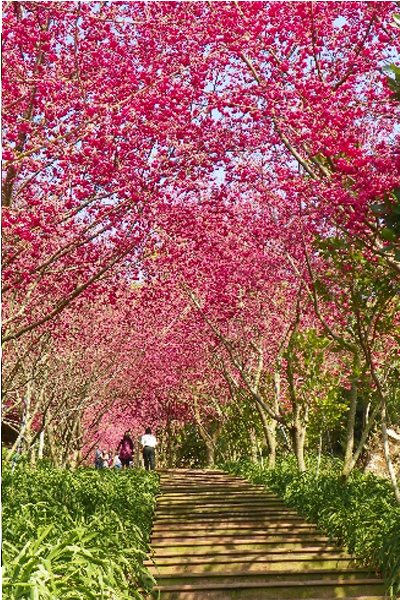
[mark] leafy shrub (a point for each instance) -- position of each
(362, 514)
(76, 534)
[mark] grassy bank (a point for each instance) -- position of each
(76, 534)
(362, 515)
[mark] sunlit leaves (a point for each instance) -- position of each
(64, 531)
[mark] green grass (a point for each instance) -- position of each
(76, 535)
(362, 515)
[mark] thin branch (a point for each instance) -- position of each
(359, 48)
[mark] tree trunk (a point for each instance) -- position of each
(209, 442)
(351, 418)
(298, 431)
(31, 449)
(54, 453)
(41, 445)
(269, 430)
(385, 439)
(366, 431)
(28, 432)
(170, 446)
(300, 414)
(210, 452)
(18, 442)
(386, 451)
(298, 445)
(253, 446)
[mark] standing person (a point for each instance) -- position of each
(98, 459)
(110, 459)
(117, 463)
(106, 459)
(149, 443)
(125, 450)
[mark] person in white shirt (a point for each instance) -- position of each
(149, 443)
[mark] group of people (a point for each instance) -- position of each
(106, 460)
(123, 459)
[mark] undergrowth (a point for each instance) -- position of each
(76, 535)
(361, 515)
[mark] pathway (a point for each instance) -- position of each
(217, 537)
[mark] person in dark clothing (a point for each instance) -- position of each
(98, 459)
(149, 443)
(125, 450)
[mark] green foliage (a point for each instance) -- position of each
(389, 210)
(76, 534)
(362, 515)
(241, 417)
(328, 419)
(191, 450)
(388, 213)
(394, 82)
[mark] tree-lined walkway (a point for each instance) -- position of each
(217, 536)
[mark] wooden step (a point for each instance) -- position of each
(260, 576)
(185, 490)
(264, 549)
(283, 567)
(264, 570)
(251, 561)
(227, 536)
(238, 537)
(284, 590)
(216, 527)
(239, 517)
(238, 544)
(253, 513)
(248, 500)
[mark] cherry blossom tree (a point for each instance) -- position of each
(188, 188)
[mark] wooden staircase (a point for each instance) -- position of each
(217, 537)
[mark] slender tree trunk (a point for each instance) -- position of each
(41, 445)
(386, 450)
(210, 451)
(300, 414)
(298, 445)
(18, 442)
(210, 442)
(73, 457)
(31, 450)
(170, 445)
(54, 452)
(366, 431)
(28, 433)
(298, 431)
(351, 419)
(78, 449)
(253, 444)
(71, 441)
(273, 424)
(269, 430)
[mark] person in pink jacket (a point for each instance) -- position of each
(125, 450)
